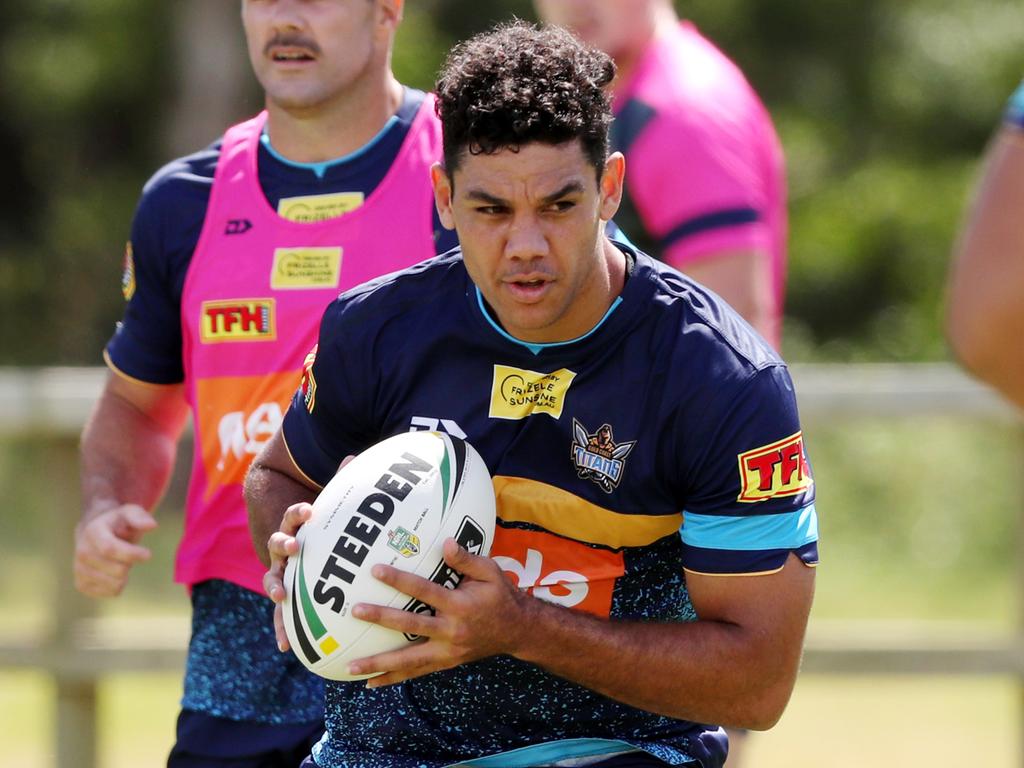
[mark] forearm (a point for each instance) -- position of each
(126, 457)
(703, 671)
(268, 493)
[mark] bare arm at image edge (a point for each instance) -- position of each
(127, 455)
(985, 301)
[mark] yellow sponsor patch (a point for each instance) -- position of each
(778, 469)
(128, 275)
(517, 393)
(237, 320)
(311, 208)
(305, 268)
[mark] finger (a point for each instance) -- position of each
(346, 461)
(138, 519)
(279, 631)
(281, 545)
(473, 566)
(295, 516)
(273, 585)
(402, 662)
(423, 624)
(94, 583)
(103, 548)
(415, 586)
(390, 678)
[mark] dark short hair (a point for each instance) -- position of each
(520, 83)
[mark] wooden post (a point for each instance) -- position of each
(76, 696)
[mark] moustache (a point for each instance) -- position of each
(291, 40)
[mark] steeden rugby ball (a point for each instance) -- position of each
(395, 503)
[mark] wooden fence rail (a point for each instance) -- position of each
(79, 649)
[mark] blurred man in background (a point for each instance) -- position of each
(985, 303)
(234, 253)
(706, 188)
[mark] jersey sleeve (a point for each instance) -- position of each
(750, 496)
(147, 343)
(699, 183)
(328, 418)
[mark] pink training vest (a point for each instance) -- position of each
(251, 306)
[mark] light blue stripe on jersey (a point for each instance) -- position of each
(536, 348)
(788, 530)
(1015, 108)
(321, 168)
(548, 754)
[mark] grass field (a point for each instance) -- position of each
(838, 722)
(919, 522)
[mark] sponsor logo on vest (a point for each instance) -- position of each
(470, 537)
(305, 268)
(364, 528)
(237, 320)
(777, 469)
(598, 457)
(312, 208)
(517, 393)
(242, 435)
(237, 226)
(128, 275)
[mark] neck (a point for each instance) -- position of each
(663, 19)
(336, 128)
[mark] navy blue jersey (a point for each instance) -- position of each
(664, 440)
(169, 219)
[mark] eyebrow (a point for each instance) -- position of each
(572, 187)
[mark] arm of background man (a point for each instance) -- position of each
(985, 302)
(127, 454)
(743, 278)
(735, 666)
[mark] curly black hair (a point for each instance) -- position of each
(520, 83)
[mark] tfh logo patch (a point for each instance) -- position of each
(598, 457)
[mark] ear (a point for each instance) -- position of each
(391, 13)
(610, 185)
(442, 194)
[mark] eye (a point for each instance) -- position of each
(491, 210)
(562, 206)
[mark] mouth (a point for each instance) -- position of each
(290, 55)
(528, 288)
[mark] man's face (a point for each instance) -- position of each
(306, 52)
(617, 27)
(530, 225)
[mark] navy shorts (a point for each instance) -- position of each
(205, 741)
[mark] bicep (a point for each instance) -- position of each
(741, 277)
(125, 402)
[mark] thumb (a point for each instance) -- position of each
(136, 519)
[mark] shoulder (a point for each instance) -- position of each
(689, 80)
(399, 300)
(187, 179)
(706, 333)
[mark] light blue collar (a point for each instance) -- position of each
(536, 348)
(321, 168)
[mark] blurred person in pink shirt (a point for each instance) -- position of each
(706, 189)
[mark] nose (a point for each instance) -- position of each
(286, 14)
(526, 240)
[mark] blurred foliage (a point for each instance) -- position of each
(883, 106)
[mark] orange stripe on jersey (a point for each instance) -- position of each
(528, 501)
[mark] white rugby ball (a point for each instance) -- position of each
(394, 503)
